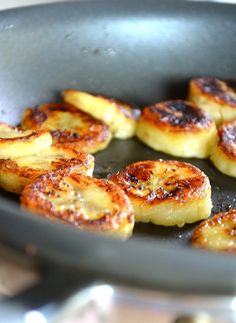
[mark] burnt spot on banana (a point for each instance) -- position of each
(132, 178)
(231, 84)
(177, 192)
(65, 136)
(60, 107)
(177, 114)
(180, 190)
(231, 231)
(229, 133)
(181, 113)
(227, 138)
(140, 173)
(38, 116)
(222, 90)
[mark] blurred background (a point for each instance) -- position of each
(5, 4)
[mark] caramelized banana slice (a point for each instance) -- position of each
(166, 192)
(68, 126)
(16, 143)
(216, 97)
(17, 172)
(178, 128)
(217, 233)
(120, 116)
(86, 202)
(223, 153)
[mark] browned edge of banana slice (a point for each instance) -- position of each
(178, 128)
(166, 192)
(82, 201)
(217, 233)
(68, 126)
(15, 142)
(120, 116)
(216, 97)
(17, 172)
(223, 153)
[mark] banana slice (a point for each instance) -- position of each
(216, 97)
(17, 172)
(223, 153)
(86, 202)
(120, 116)
(68, 126)
(178, 128)
(217, 233)
(15, 142)
(166, 192)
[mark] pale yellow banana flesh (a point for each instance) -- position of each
(17, 143)
(118, 115)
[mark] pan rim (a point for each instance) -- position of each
(204, 262)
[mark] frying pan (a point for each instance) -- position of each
(142, 52)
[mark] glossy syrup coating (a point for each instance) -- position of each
(217, 233)
(136, 178)
(82, 201)
(68, 126)
(17, 172)
(166, 192)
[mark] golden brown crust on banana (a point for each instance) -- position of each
(14, 142)
(227, 139)
(178, 128)
(170, 187)
(17, 172)
(217, 233)
(24, 136)
(214, 89)
(176, 116)
(68, 126)
(223, 152)
(9, 134)
(68, 197)
(166, 192)
(216, 97)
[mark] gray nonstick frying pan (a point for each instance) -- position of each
(142, 52)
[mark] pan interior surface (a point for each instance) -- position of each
(142, 52)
